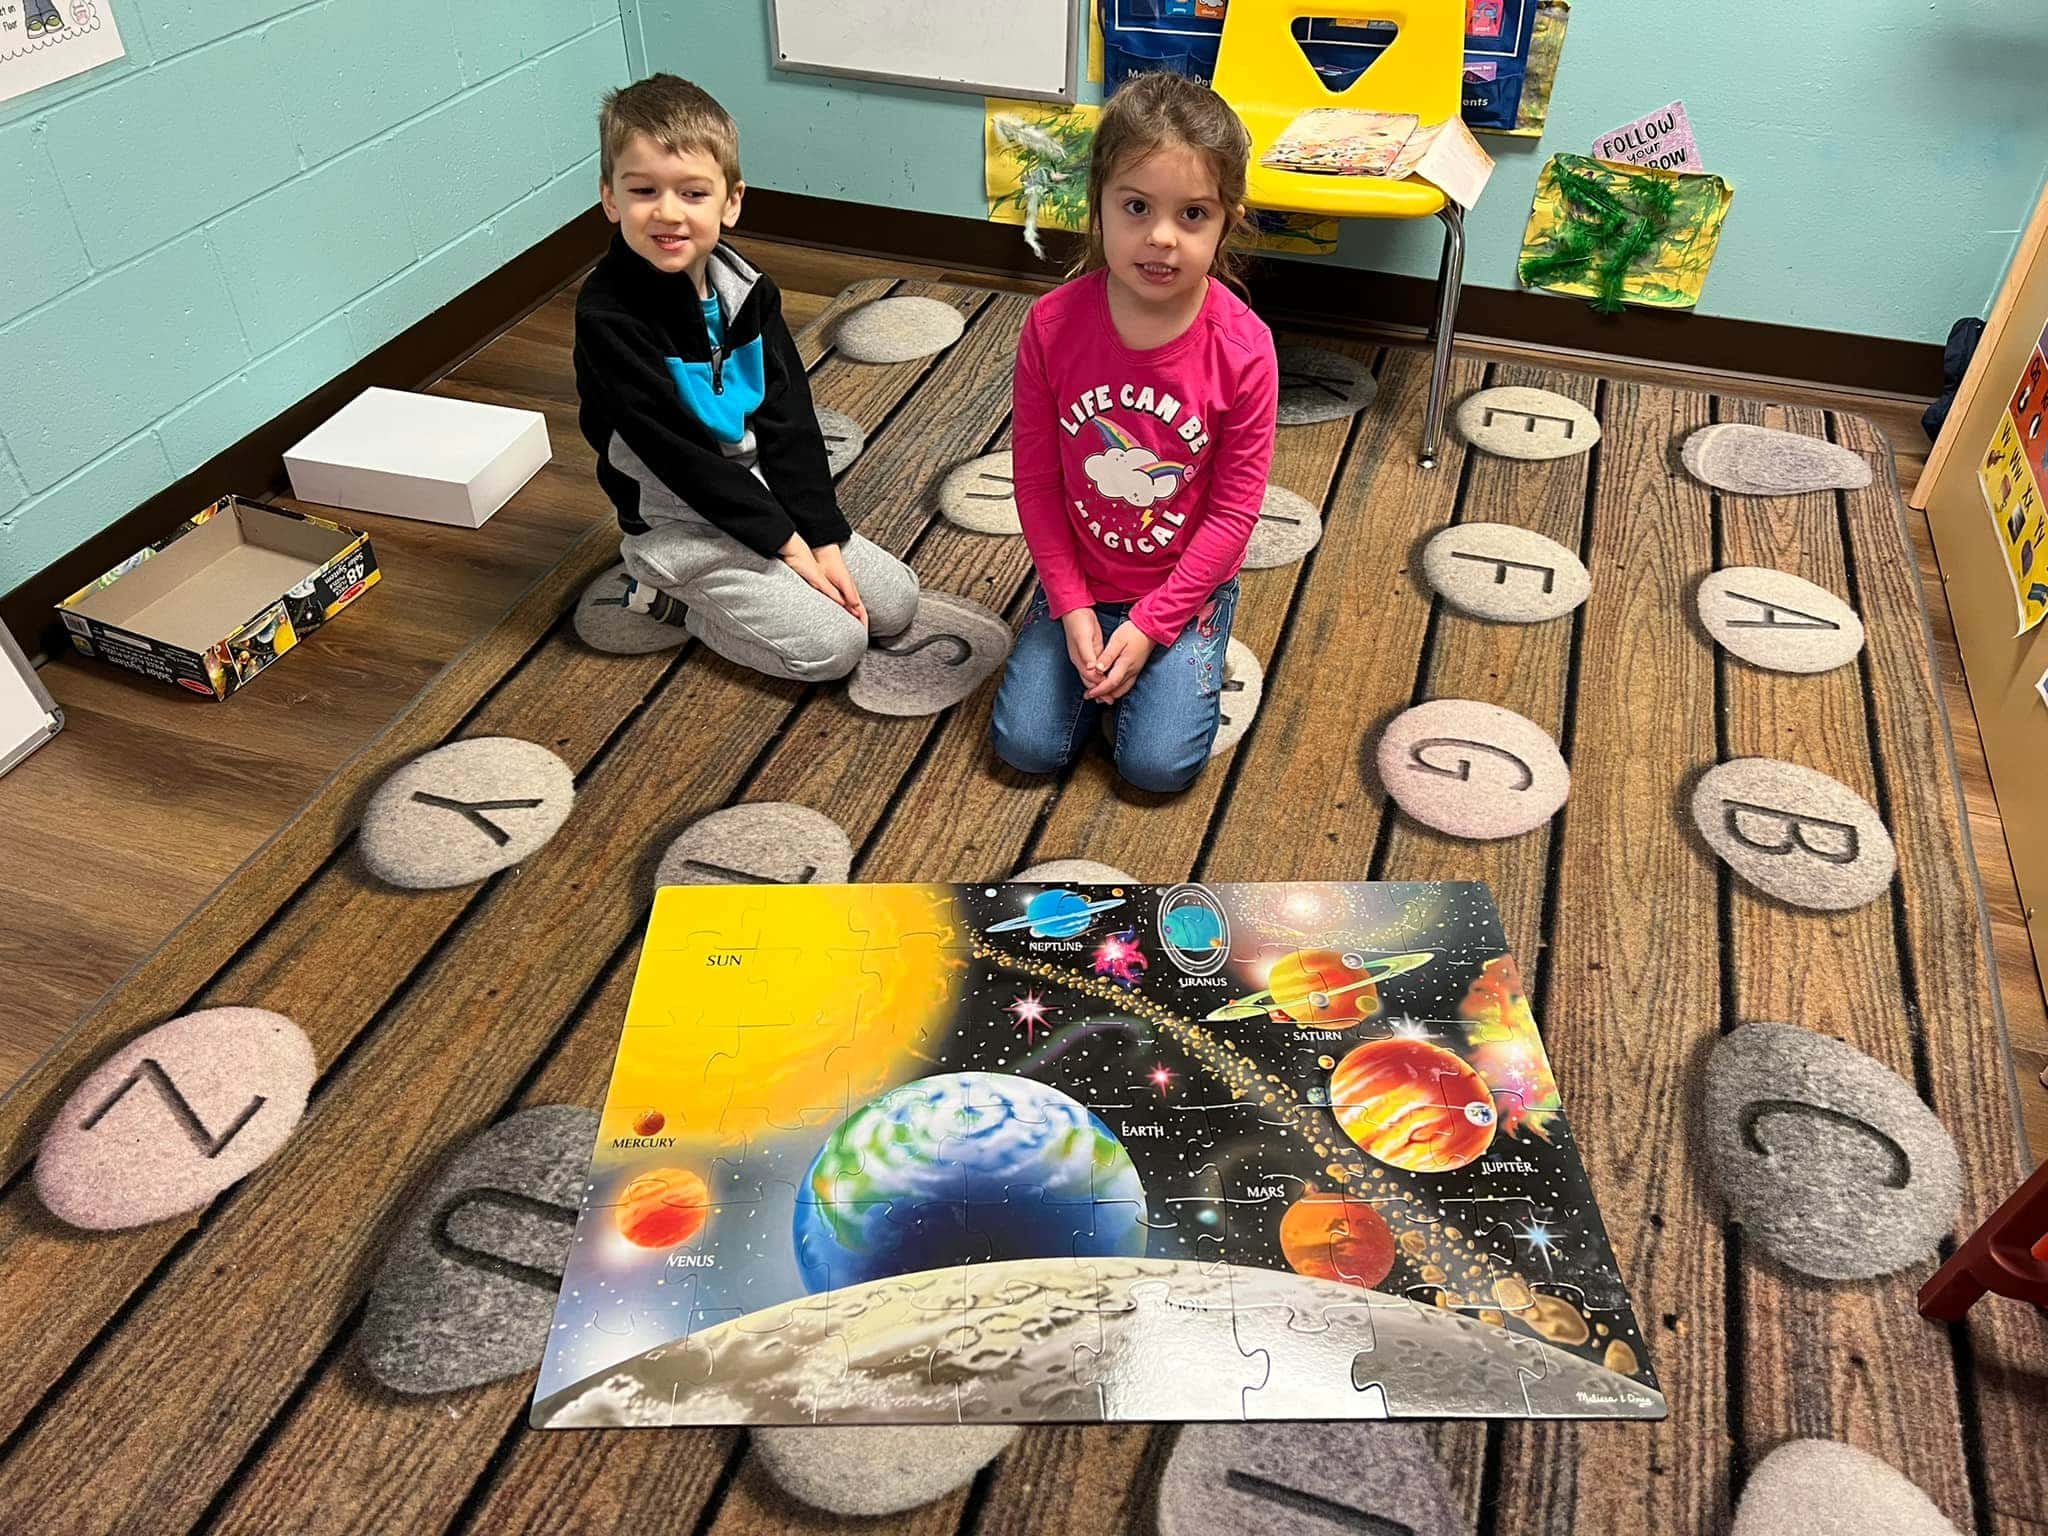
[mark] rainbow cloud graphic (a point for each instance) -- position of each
(1126, 472)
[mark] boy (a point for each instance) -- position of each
(695, 399)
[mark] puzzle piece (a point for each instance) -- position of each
(1163, 1325)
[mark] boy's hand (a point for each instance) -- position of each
(1121, 662)
(831, 561)
(1084, 644)
(802, 559)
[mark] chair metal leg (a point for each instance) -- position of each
(1450, 283)
(1443, 275)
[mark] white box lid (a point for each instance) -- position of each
(429, 436)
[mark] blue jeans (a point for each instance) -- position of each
(1164, 725)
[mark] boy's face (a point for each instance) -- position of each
(670, 207)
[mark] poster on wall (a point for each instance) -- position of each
(1511, 51)
(44, 41)
(1035, 172)
(2011, 475)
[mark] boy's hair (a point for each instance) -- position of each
(677, 115)
(1161, 110)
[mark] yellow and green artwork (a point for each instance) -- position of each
(1035, 159)
(1623, 234)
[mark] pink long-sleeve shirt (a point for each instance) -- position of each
(1139, 474)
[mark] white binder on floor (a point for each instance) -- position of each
(28, 715)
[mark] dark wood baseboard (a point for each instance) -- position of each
(1318, 296)
(254, 466)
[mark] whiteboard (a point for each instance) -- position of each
(28, 716)
(983, 47)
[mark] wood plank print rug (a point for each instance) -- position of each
(200, 1373)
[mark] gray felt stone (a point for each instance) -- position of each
(1288, 528)
(843, 437)
(1777, 620)
(1825, 1488)
(174, 1117)
(950, 647)
(1306, 1480)
(1244, 683)
(898, 330)
(465, 811)
(1320, 385)
(617, 614)
(1763, 461)
(1499, 571)
(1794, 833)
(1072, 872)
(1472, 769)
(467, 1290)
(877, 1469)
(981, 495)
(1829, 1160)
(769, 843)
(1516, 422)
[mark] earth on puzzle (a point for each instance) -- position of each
(961, 1167)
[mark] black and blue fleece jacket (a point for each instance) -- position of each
(727, 433)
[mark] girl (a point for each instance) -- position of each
(1145, 398)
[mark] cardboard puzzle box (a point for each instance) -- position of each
(223, 597)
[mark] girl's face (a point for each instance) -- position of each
(1161, 223)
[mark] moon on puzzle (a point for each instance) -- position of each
(1001, 1342)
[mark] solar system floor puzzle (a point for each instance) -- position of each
(1021, 1153)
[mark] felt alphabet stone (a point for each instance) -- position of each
(1499, 571)
(1472, 769)
(769, 843)
(616, 613)
(843, 437)
(877, 1469)
(465, 811)
(898, 330)
(174, 1117)
(1794, 833)
(1777, 620)
(1289, 526)
(1244, 683)
(1829, 1160)
(1071, 872)
(1306, 1480)
(1749, 460)
(1825, 1488)
(1517, 422)
(950, 647)
(467, 1291)
(981, 495)
(1317, 384)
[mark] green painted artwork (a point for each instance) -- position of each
(1623, 234)
(1035, 163)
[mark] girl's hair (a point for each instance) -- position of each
(1161, 110)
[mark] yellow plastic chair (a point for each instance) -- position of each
(1263, 74)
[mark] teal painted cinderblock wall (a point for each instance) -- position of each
(1884, 156)
(258, 195)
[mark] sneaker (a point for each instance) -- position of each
(652, 601)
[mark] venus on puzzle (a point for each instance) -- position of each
(663, 1207)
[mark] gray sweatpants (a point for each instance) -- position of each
(757, 611)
